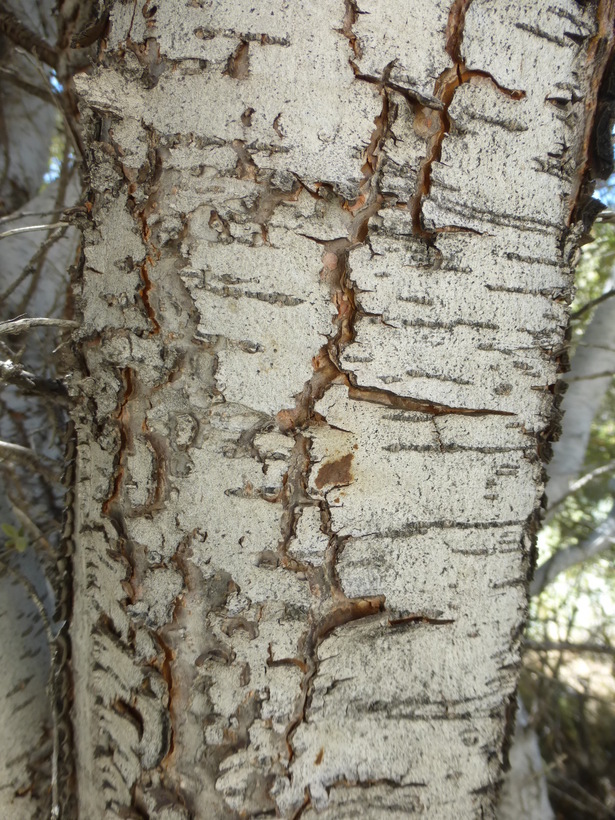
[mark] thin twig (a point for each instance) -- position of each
(568, 646)
(16, 326)
(23, 214)
(31, 267)
(16, 454)
(37, 537)
(581, 482)
(30, 88)
(592, 303)
(63, 180)
(30, 383)
(32, 228)
(20, 35)
(603, 375)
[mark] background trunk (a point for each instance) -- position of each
(324, 287)
(595, 355)
(33, 281)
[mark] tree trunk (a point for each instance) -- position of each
(324, 286)
(595, 355)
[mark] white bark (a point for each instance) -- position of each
(595, 354)
(319, 304)
(524, 794)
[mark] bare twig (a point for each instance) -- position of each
(20, 35)
(591, 803)
(23, 214)
(30, 88)
(577, 485)
(592, 303)
(602, 375)
(31, 267)
(568, 646)
(27, 382)
(32, 228)
(15, 326)
(16, 454)
(37, 537)
(602, 538)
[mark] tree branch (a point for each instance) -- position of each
(31, 228)
(27, 382)
(32, 267)
(42, 93)
(21, 35)
(592, 303)
(600, 540)
(602, 375)
(569, 646)
(15, 326)
(16, 454)
(579, 484)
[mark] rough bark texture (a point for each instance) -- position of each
(324, 286)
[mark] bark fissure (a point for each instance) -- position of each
(332, 609)
(444, 91)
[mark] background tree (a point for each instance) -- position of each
(39, 155)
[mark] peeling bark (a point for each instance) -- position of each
(323, 286)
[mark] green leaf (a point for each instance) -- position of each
(21, 543)
(9, 530)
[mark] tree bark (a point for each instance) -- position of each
(324, 286)
(524, 794)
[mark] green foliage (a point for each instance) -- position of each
(593, 270)
(15, 537)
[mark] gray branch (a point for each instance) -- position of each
(29, 383)
(602, 538)
(15, 326)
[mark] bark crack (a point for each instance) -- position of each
(445, 88)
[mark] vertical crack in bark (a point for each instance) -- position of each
(444, 90)
(144, 294)
(335, 272)
(331, 607)
(125, 435)
(327, 363)
(141, 216)
(350, 18)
